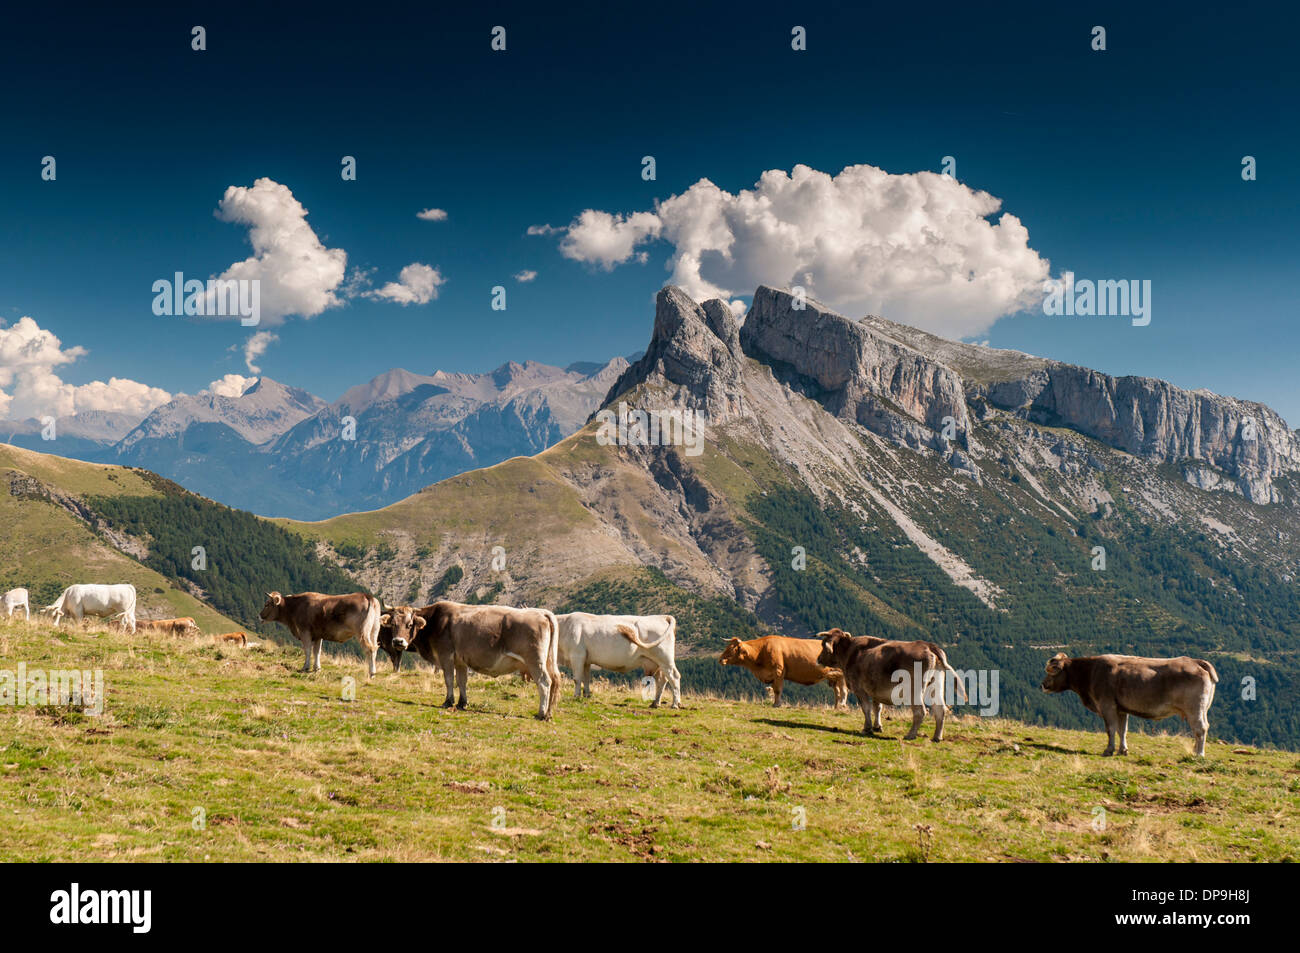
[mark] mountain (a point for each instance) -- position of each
(280, 450)
(868, 475)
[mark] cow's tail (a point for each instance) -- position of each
(956, 682)
(553, 649)
(1209, 670)
(370, 627)
(629, 632)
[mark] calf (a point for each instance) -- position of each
(774, 659)
(620, 643)
(239, 638)
(1116, 686)
(16, 599)
(315, 618)
(870, 667)
(493, 640)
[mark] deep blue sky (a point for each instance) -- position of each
(1120, 164)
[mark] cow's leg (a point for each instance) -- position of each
(543, 679)
(316, 646)
(306, 642)
(581, 672)
(938, 709)
(1111, 717)
(675, 683)
(660, 681)
(918, 716)
(1122, 724)
(374, 650)
(778, 686)
(877, 713)
(841, 693)
(1201, 728)
(868, 713)
(447, 677)
(462, 678)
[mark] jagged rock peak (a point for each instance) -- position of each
(694, 355)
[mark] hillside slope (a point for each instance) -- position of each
(251, 761)
(861, 474)
(64, 521)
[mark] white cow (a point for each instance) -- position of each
(621, 643)
(17, 599)
(105, 601)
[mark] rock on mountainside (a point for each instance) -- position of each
(864, 474)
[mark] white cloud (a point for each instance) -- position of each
(231, 385)
(544, 230)
(298, 274)
(525, 275)
(432, 215)
(255, 347)
(30, 386)
(416, 284)
(608, 240)
(917, 248)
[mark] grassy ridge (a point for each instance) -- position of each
(282, 768)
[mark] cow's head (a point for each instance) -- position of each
(1055, 680)
(736, 653)
(398, 628)
(274, 603)
(835, 647)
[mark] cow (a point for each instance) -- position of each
(871, 668)
(400, 628)
(177, 627)
(774, 659)
(106, 601)
(493, 640)
(621, 643)
(314, 618)
(1116, 686)
(239, 638)
(17, 599)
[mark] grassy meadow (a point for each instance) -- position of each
(218, 754)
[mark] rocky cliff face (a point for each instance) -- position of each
(1153, 419)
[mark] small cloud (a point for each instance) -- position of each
(231, 385)
(543, 230)
(432, 215)
(255, 347)
(526, 275)
(416, 284)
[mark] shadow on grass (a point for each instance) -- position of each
(830, 729)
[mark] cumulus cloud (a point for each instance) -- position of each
(432, 215)
(608, 240)
(525, 275)
(231, 385)
(298, 274)
(416, 284)
(254, 348)
(31, 387)
(919, 248)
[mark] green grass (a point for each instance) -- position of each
(282, 768)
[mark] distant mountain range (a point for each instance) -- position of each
(280, 451)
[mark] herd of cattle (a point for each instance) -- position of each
(500, 640)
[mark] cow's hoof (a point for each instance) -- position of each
(446, 704)
(460, 706)
(1107, 754)
(909, 737)
(654, 704)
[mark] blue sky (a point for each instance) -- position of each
(1120, 164)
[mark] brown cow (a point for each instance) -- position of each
(1116, 686)
(493, 640)
(315, 618)
(400, 628)
(178, 627)
(237, 637)
(880, 672)
(774, 659)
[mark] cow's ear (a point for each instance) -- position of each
(386, 619)
(419, 622)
